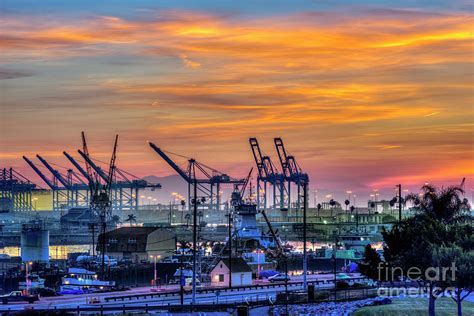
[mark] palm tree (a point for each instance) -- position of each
(115, 220)
(131, 219)
(187, 217)
(332, 203)
(445, 205)
(347, 202)
(319, 208)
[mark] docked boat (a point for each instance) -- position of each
(81, 280)
(33, 281)
(356, 241)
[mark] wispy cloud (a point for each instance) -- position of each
(367, 89)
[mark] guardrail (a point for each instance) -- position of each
(225, 290)
(124, 308)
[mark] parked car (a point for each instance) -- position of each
(189, 284)
(344, 277)
(46, 292)
(280, 277)
(18, 296)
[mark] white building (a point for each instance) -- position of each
(241, 273)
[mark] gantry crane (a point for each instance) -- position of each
(267, 173)
(70, 188)
(292, 172)
(211, 178)
(75, 191)
(15, 191)
(61, 197)
(100, 198)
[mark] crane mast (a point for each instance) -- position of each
(267, 173)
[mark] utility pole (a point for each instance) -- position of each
(305, 258)
(335, 269)
(103, 243)
(230, 249)
(92, 228)
(286, 285)
(399, 203)
(194, 241)
(170, 214)
(181, 278)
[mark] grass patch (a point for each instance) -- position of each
(416, 306)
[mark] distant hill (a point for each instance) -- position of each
(169, 184)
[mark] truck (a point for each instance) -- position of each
(18, 296)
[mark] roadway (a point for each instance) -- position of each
(140, 297)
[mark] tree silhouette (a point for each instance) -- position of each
(187, 217)
(131, 219)
(444, 205)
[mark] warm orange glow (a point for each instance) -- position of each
(363, 102)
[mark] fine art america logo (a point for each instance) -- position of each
(431, 276)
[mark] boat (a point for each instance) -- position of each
(96, 260)
(33, 281)
(356, 241)
(79, 279)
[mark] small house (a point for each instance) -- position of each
(241, 273)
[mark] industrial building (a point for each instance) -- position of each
(139, 243)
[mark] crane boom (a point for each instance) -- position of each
(86, 152)
(55, 173)
(280, 148)
(275, 237)
(110, 176)
(90, 163)
(78, 166)
(244, 185)
(257, 154)
(170, 162)
(40, 174)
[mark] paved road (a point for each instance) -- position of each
(73, 301)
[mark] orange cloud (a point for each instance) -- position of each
(368, 90)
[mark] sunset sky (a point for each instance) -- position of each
(365, 94)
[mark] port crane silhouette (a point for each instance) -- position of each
(209, 181)
(100, 192)
(291, 171)
(267, 173)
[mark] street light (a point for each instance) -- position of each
(27, 274)
(154, 268)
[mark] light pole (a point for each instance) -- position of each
(305, 258)
(315, 192)
(372, 202)
(27, 275)
(195, 210)
(230, 247)
(258, 263)
(399, 202)
(154, 269)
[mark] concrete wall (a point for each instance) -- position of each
(35, 245)
(241, 278)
